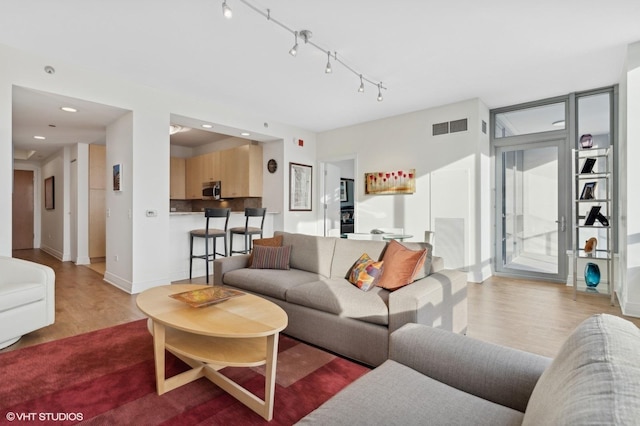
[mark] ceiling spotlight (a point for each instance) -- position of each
(207, 126)
(39, 138)
(226, 10)
(328, 69)
(245, 134)
(69, 109)
(294, 49)
(361, 88)
(380, 92)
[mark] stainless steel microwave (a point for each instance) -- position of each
(211, 190)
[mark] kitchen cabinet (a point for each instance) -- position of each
(177, 186)
(211, 167)
(97, 201)
(241, 171)
(194, 177)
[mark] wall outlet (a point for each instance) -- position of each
(152, 213)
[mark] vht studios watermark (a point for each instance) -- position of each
(44, 417)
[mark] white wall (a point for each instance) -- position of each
(629, 220)
(146, 163)
(53, 221)
(452, 179)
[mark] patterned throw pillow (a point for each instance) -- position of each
(271, 257)
(400, 265)
(365, 273)
(266, 242)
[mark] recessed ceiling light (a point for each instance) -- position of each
(559, 123)
(245, 134)
(39, 137)
(207, 126)
(69, 109)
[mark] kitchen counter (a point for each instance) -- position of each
(181, 223)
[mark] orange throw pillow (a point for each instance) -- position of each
(400, 265)
(266, 242)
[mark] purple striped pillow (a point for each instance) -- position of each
(270, 257)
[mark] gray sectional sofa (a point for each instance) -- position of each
(326, 310)
(438, 378)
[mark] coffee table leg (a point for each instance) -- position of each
(158, 354)
(270, 375)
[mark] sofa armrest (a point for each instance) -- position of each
(18, 271)
(496, 373)
(223, 265)
(438, 300)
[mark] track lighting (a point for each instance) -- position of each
(305, 35)
(226, 10)
(294, 50)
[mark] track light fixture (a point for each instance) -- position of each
(328, 69)
(226, 10)
(305, 35)
(294, 50)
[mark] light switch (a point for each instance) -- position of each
(152, 213)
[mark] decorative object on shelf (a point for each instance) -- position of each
(586, 141)
(592, 274)
(395, 182)
(590, 246)
(592, 216)
(344, 195)
(602, 219)
(49, 193)
(588, 191)
(588, 166)
(300, 179)
(272, 165)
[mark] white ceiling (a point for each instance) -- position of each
(427, 53)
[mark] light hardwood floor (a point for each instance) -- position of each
(528, 315)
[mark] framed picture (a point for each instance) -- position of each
(300, 180)
(344, 194)
(117, 177)
(588, 165)
(49, 193)
(390, 182)
(592, 216)
(588, 191)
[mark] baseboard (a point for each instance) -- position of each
(630, 309)
(118, 282)
(53, 252)
(83, 261)
(139, 287)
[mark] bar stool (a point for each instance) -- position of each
(210, 233)
(246, 230)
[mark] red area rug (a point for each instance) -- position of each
(107, 377)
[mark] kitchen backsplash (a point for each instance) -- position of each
(235, 204)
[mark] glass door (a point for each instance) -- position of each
(531, 210)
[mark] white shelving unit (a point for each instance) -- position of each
(593, 192)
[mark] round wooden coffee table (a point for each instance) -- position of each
(239, 332)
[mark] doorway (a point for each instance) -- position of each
(338, 196)
(531, 210)
(22, 210)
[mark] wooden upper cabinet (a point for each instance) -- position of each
(177, 188)
(211, 167)
(241, 169)
(97, 166)
(194, 176)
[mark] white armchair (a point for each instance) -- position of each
(27, 298)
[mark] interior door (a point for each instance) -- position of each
(331, 200)
(22, 212)
(531, 210)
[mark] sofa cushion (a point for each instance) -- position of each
(348, 251)
(13, 295)
(309, 252)
(594, 379)
(426, 268)
(337, 296)
(365, 273)
(400, 265)
(271, 257)
(394, 394)
(270, 282)
(265, 242)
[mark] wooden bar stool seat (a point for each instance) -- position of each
(209, 234)
(247, 231)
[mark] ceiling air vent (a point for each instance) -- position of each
(440, 128)
(458, 125)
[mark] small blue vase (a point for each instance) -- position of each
(592, 274)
